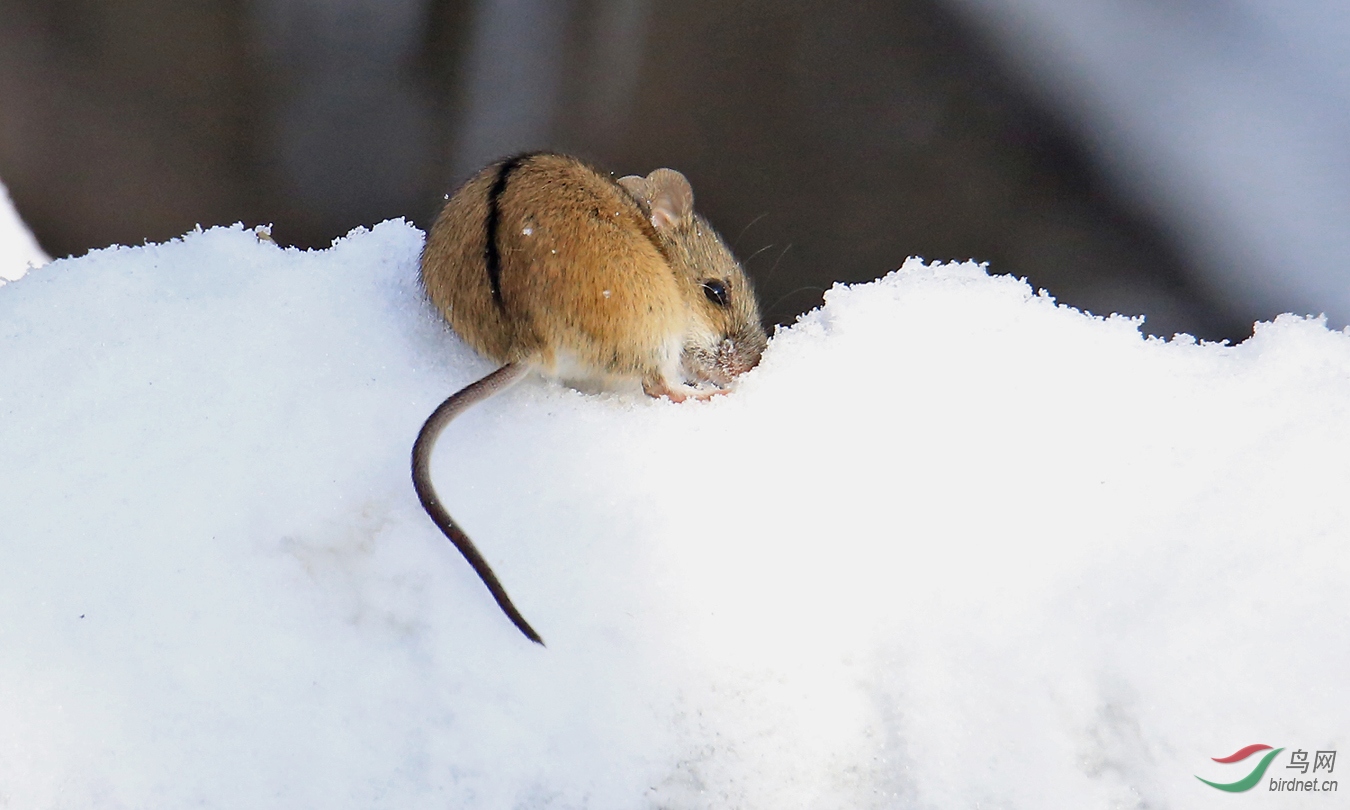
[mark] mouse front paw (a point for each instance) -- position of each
(657, 388)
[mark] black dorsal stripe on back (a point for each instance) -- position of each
(491, 254)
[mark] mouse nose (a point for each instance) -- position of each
(732, 359)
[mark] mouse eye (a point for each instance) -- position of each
(716, 291)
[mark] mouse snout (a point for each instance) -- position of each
(734, 357)
(724, 359)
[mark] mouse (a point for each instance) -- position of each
(546, 265)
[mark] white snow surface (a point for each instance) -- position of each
(18, 249)
(950, 545)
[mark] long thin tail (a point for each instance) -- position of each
(453, 406)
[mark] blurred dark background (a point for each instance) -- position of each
(827, 141)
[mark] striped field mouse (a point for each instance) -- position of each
(542, 263)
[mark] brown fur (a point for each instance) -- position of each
(586, 274)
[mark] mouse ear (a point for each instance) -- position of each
(637, 187)
(670, 200)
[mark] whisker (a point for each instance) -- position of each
(775, 264)
(747, 227)
(756, 253)
(788, 295)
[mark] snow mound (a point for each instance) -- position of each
(18, 249)
(950, 545)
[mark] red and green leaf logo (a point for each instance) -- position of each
(1249, 781)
